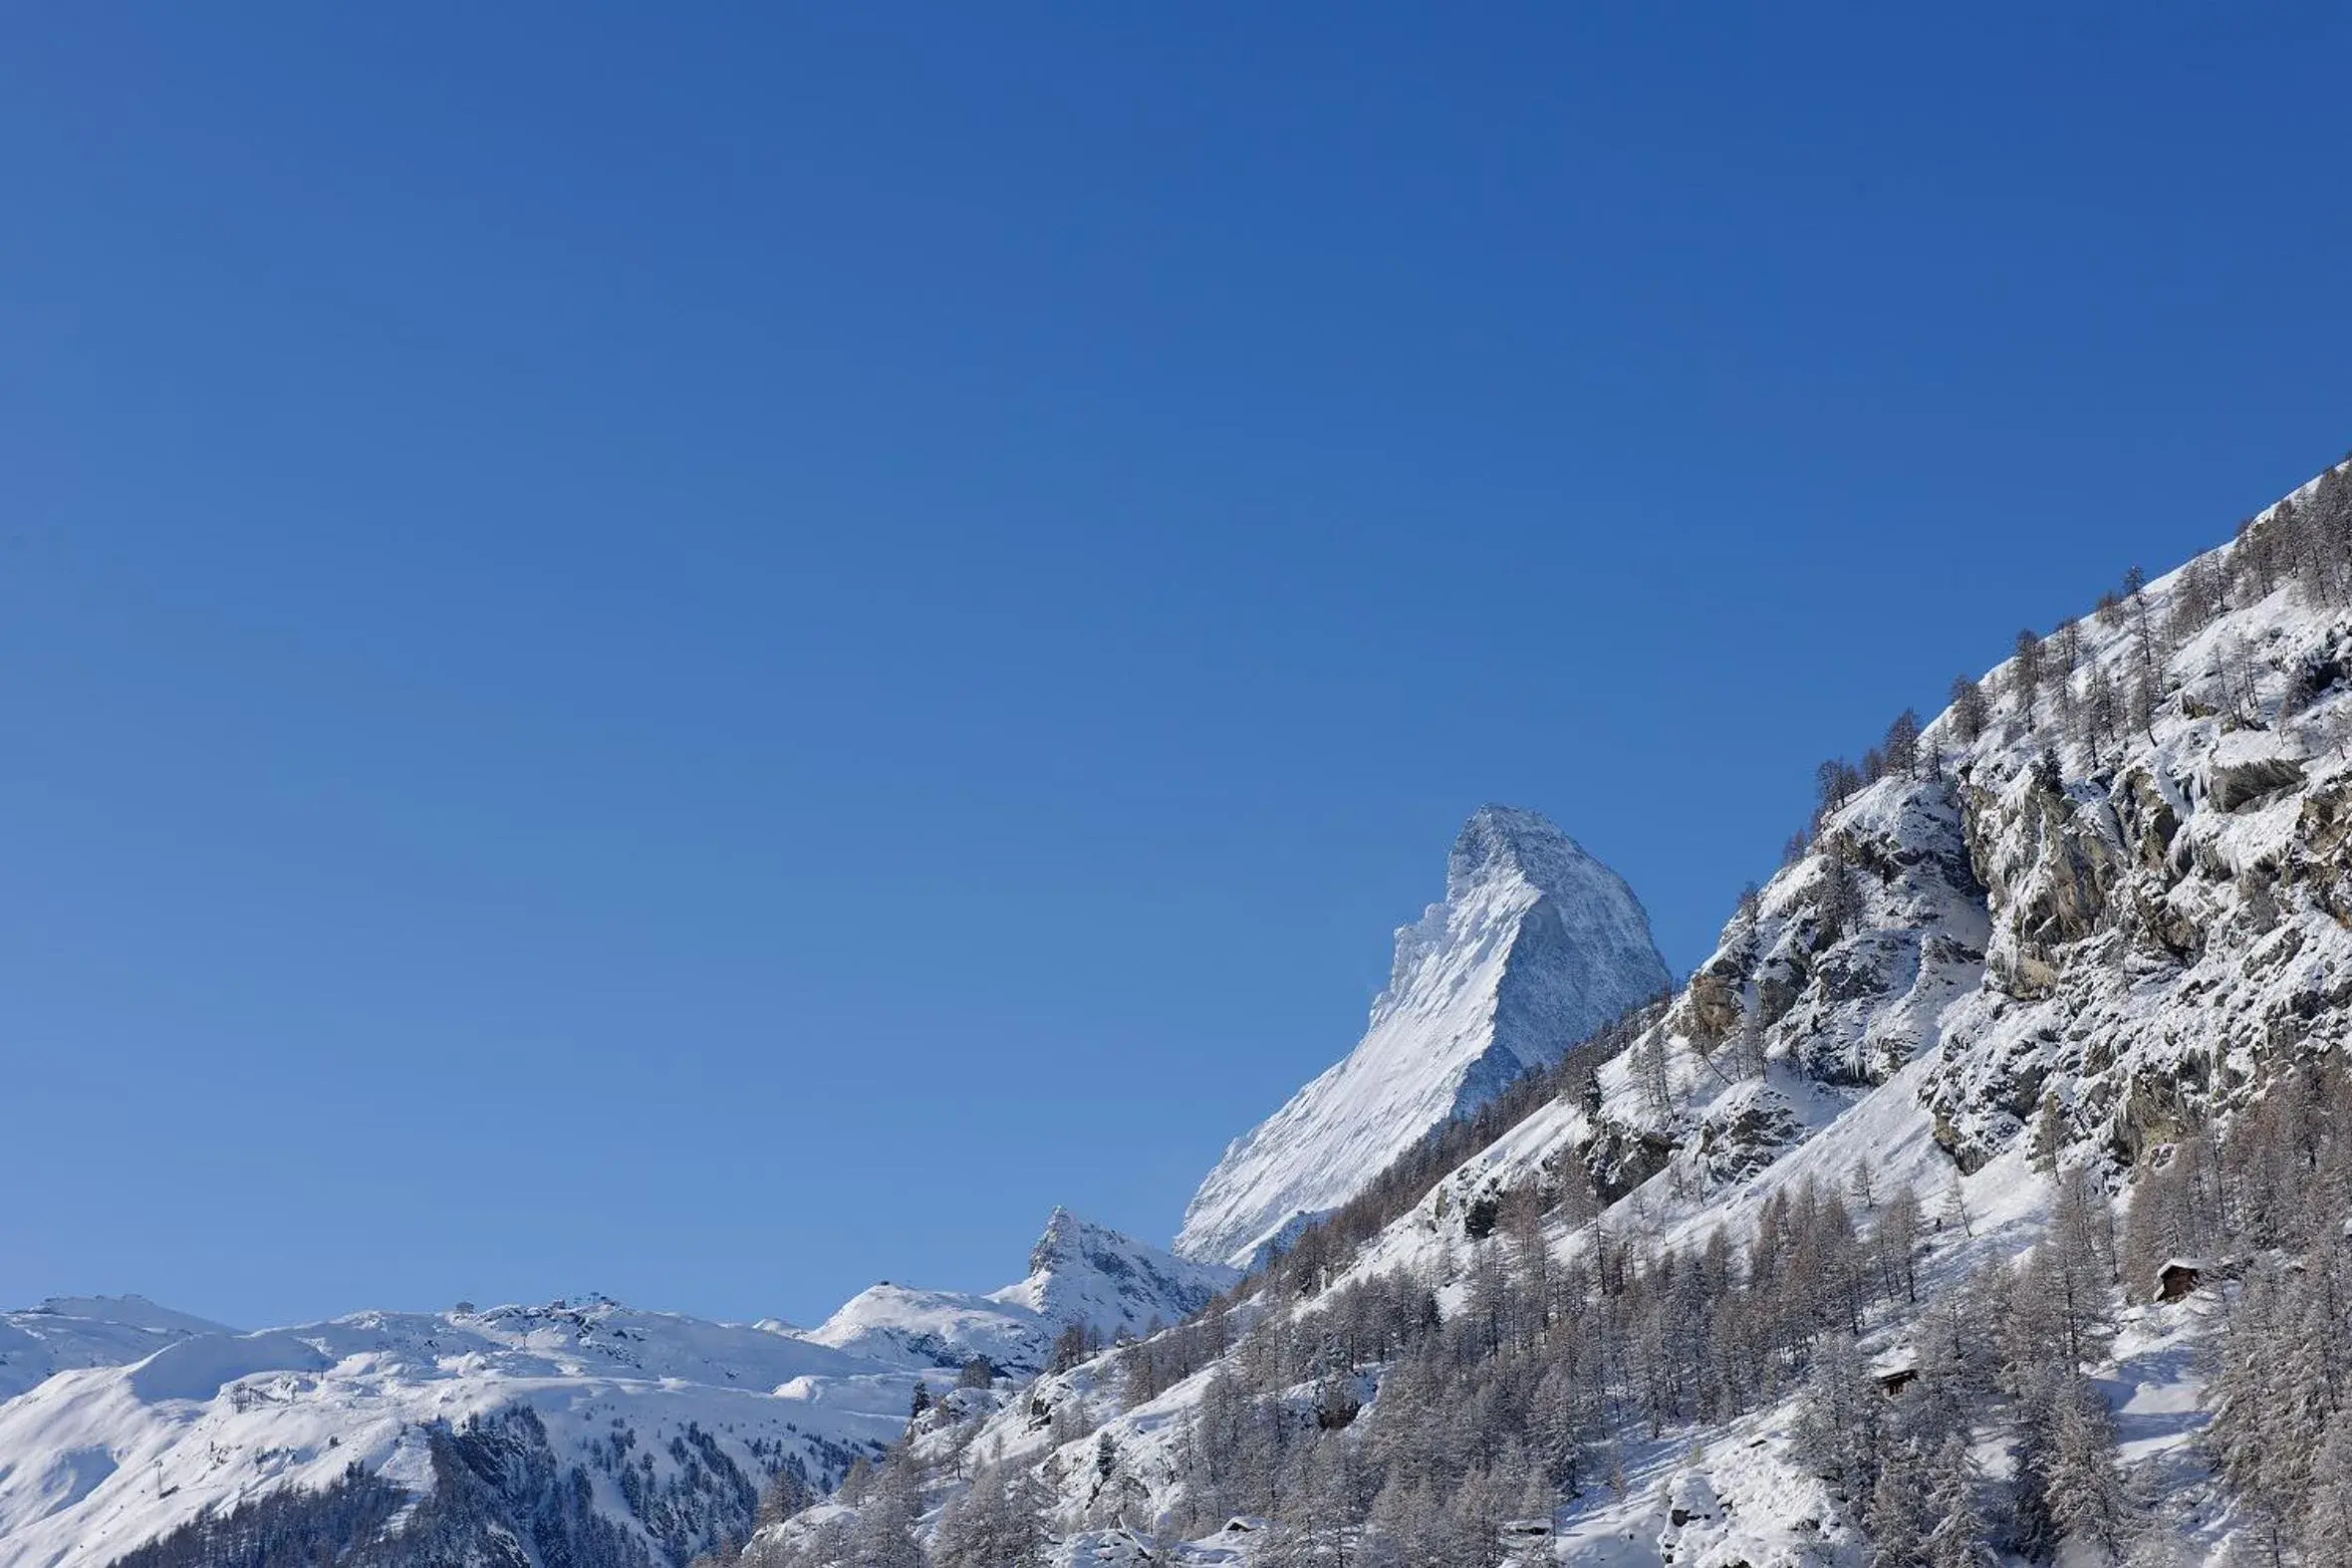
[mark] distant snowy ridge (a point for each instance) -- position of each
(672, 1422)
(69, 1332)
(126, 1421)
(1535, 945)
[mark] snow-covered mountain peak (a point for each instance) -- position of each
(1507, 841)
(1091, 1275)
(1535, 944)
(1063, 1241)
(1081, 1276)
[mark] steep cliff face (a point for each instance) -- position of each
(1535, 944)
(2168, 908)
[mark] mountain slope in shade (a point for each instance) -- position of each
(1080, 1274)
(1535, 945)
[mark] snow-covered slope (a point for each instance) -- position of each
(1081, 1276)
(66, 1332)
(1535, 945)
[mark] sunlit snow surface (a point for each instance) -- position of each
(66, 1332)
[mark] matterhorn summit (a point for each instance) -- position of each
(1535, 945)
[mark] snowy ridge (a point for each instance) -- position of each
(1534, 947)
(67, 1332)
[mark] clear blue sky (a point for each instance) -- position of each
(713, 657)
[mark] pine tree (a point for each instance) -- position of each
(1744, 1056)
(2328, 1517)
(1895, 1240)
(1901, 747)
(1862, 1182)
(1899, 1520)
(2049, 1137)
(1958, 1537)
(2028, 671)
(2102, 712)
(2087, 1502)
(2144, 699)
(1969, 708)
(1400, 1533)
(2269, 1395)
(1837, 895)
(1838, 1418)
(1650, 1080)
(995, 1524)
(786, 1494)
(883, 1535)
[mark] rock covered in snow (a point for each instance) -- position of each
(1534, 947)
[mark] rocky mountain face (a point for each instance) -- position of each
(1534, 945)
